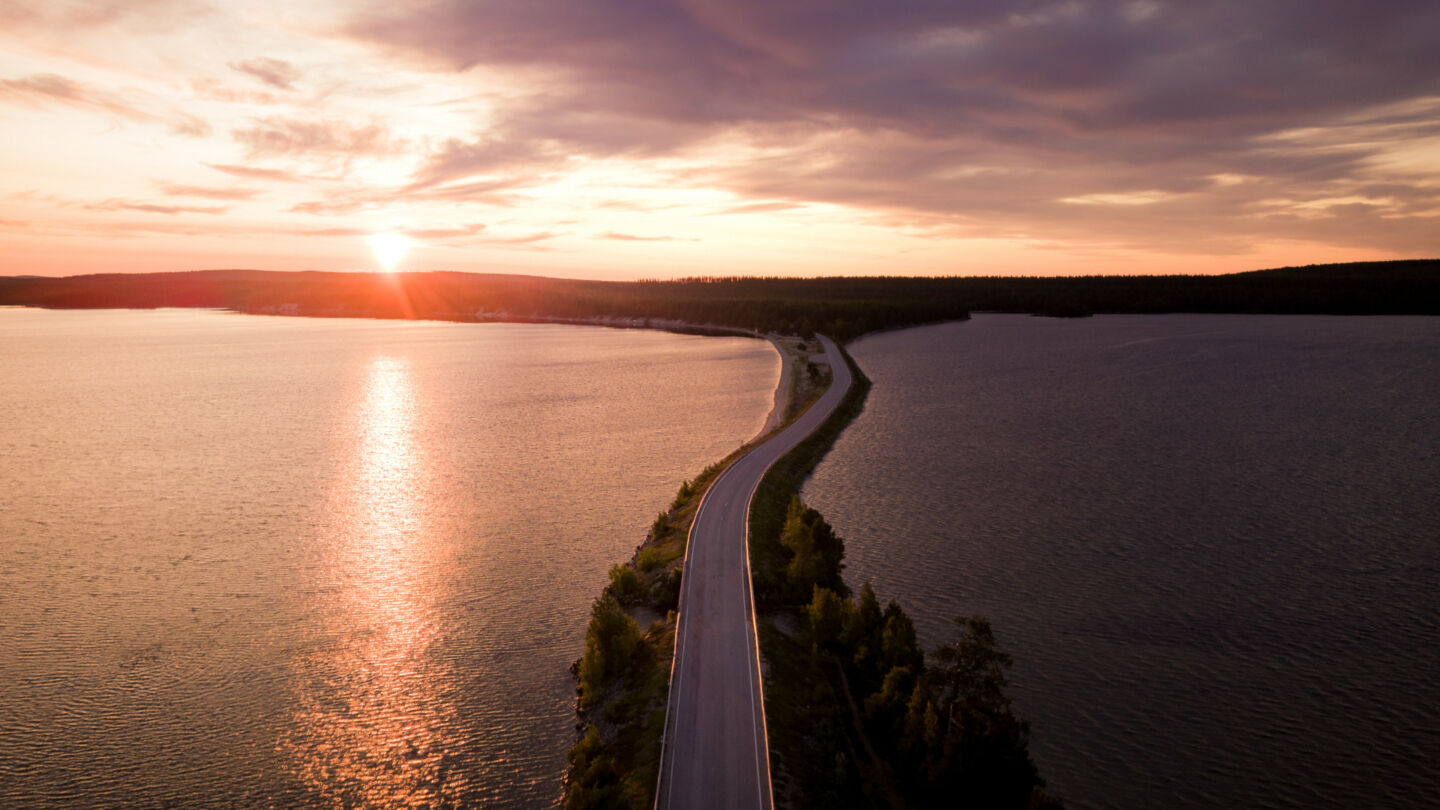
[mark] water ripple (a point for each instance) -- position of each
(1208, 541)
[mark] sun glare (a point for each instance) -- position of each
(389, 248)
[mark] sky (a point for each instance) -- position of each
(625, 139)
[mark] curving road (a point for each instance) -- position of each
(715, 753)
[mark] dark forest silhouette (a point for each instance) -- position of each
(841, 307)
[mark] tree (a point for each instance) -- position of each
(885, 709)
(611, 639)
(817, 553)
(973, 668)
(961, 737)
(626, 585)
(898, 644)
(863, 635)
(594, 780)
(827, 613)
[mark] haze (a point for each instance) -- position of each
(612, 139)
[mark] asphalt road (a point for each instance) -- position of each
(715, 751)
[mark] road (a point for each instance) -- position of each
(715, 752)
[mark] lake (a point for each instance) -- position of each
(255, 561)
(1211, 543)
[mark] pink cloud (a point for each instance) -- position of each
(275, 73)
(256, 172)
(155, 208)
(178, 190)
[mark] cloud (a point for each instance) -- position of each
(276, 73)
(177, 190)
(1120, 198)
(457, 159)
(320, 207)
(459, 232)
(50, 88)
(348, 200)
(67, 16)
(626, 237)
(213, 90)
(256, 172)
(760, 208)
(488, 192)
(272, 137)
(332, 232)
(445, 233)
(527, 239)
(154, 208)
(977, 117)
(190, 125)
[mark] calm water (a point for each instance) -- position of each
(1212, 543)
(255, 560)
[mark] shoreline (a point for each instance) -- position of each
(782, 392)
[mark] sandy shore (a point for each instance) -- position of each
(782, 389)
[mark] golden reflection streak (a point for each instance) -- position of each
(376, 731)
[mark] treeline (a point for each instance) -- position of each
(840, 307)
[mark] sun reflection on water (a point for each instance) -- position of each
(374, 729)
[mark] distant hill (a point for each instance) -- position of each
(843, 307)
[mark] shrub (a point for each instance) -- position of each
(666, 593)
(649, 559)
(594, 780)
(686, 490)
(610, 643)
(827, 613)
(626, 585)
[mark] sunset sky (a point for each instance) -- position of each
(644, 138)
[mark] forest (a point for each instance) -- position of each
(842, 307)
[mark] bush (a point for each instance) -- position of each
(594, 781)
(828, 614)
(626, 585)
(610, 643)
(686, 490)
(649, 559)
(666, 593)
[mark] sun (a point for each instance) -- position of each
(389, 248)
